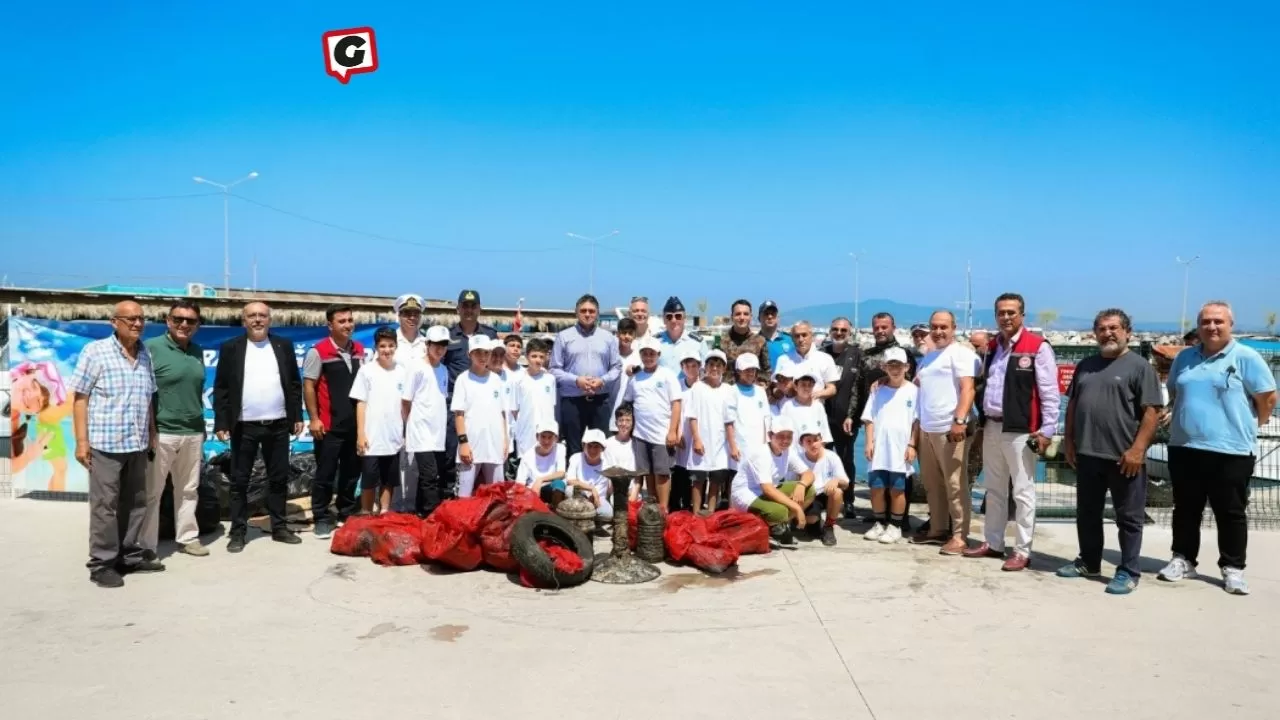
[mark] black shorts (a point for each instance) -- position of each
(722, 477)
(379, 471)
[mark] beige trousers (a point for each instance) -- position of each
(180, 456)
(942, 470)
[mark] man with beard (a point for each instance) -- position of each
(458, 362)
(779, 342)
(739, 338)
(848, 360)
(882, 330)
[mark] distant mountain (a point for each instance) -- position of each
(905, 315)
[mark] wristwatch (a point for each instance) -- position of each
(959, 421)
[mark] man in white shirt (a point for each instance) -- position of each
(425, 405)
(945, 378)
(411, 348)
(826, 373)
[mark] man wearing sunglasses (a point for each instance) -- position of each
(114, 428)
(179, 409)
(674, 340)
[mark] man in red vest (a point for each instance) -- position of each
(1019, 405)
(328, 370)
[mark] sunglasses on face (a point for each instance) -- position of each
(180, 320)
(674, 316)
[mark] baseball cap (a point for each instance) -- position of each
(786, 368)
(593, 436)
(547, 425)
(919, 327)
(895, 354)
(467, 296)
(648, 343)
(714, 354)
(408, 301)
(479, 343)
(767, 306)
(807, 370)
(747, 361)
(781, 424)
(673, 305)
(690, 352)
(438, 334)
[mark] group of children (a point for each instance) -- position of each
(755, 444)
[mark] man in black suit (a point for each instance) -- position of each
(257, 404)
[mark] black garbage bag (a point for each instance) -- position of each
(208, 512)
(302, 470)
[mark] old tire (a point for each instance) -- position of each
(535, 526)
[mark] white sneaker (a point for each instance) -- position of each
(1233, 581)
(875, 532)
(1177, 569)
(891, 535)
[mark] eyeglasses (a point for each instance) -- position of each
(674, 316)
(181, 320)
(130, 319)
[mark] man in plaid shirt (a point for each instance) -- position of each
(115, 428)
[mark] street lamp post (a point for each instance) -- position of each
(591, 282)
(1186, 282)
(226, 224)
(856, 294)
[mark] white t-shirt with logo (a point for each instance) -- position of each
(427, 389)
(893, 411)
(751, 420)
(535, 400)
(712, 408)
(938, 374)
(629, 361)
(825, 469)
(481, 402)
(652, 394)
(534, 466)
(583, 471)
(380, 389)
(762, 467)
(808, 419)
(618, 453)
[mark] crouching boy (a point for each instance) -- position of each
(773, 483)
(586, 473)
(831, 483)
(542, 466)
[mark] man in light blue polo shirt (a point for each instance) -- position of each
(1221, 392)
(674, 340)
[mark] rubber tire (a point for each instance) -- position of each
(534, 560)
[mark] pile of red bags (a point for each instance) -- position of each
(566, 560)
(462, 533)
(714, 543)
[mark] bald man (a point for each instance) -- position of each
(115, 429)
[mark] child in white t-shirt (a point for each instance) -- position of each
(542, 466)
(618, 451)
(425, 404)
(805, 412)
(480, 419)
(586, 473)
(654, 393)
(830, 482)
(783, 387)
(535, 396)
(498, 367)
(892, 419)
(630, 358)
(751, 409)
(379, 421)
(709, 436)
(681, 482)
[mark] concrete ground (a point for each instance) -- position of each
(858, 631)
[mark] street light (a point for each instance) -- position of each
(226, 227)
(591, 283)
(855, 257)
(1186, 281)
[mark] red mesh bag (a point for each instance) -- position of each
(714, 554)
(355, 537)
(465, 515)
(749, 533)
(516, 496)
(682, 531)
(566, 561)
(495, 543)
(398, 545)
(449, 545)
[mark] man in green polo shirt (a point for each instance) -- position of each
(179, 413)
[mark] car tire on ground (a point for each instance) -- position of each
(535, 526)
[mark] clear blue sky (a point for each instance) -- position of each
(1070, 150)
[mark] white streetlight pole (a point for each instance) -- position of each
(226, 224)
(1186, 282)
(591, 282)
(856, 299)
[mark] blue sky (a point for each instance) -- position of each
(741, 148)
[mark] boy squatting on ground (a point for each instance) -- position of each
(480, 419)
(709, 441)
(892, 418)
(654, 394)
(377, 390)
(829, 480)
(542, 466)
(759, 486)
(585, 475)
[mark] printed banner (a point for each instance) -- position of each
(1066, 371)
(42, 359)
